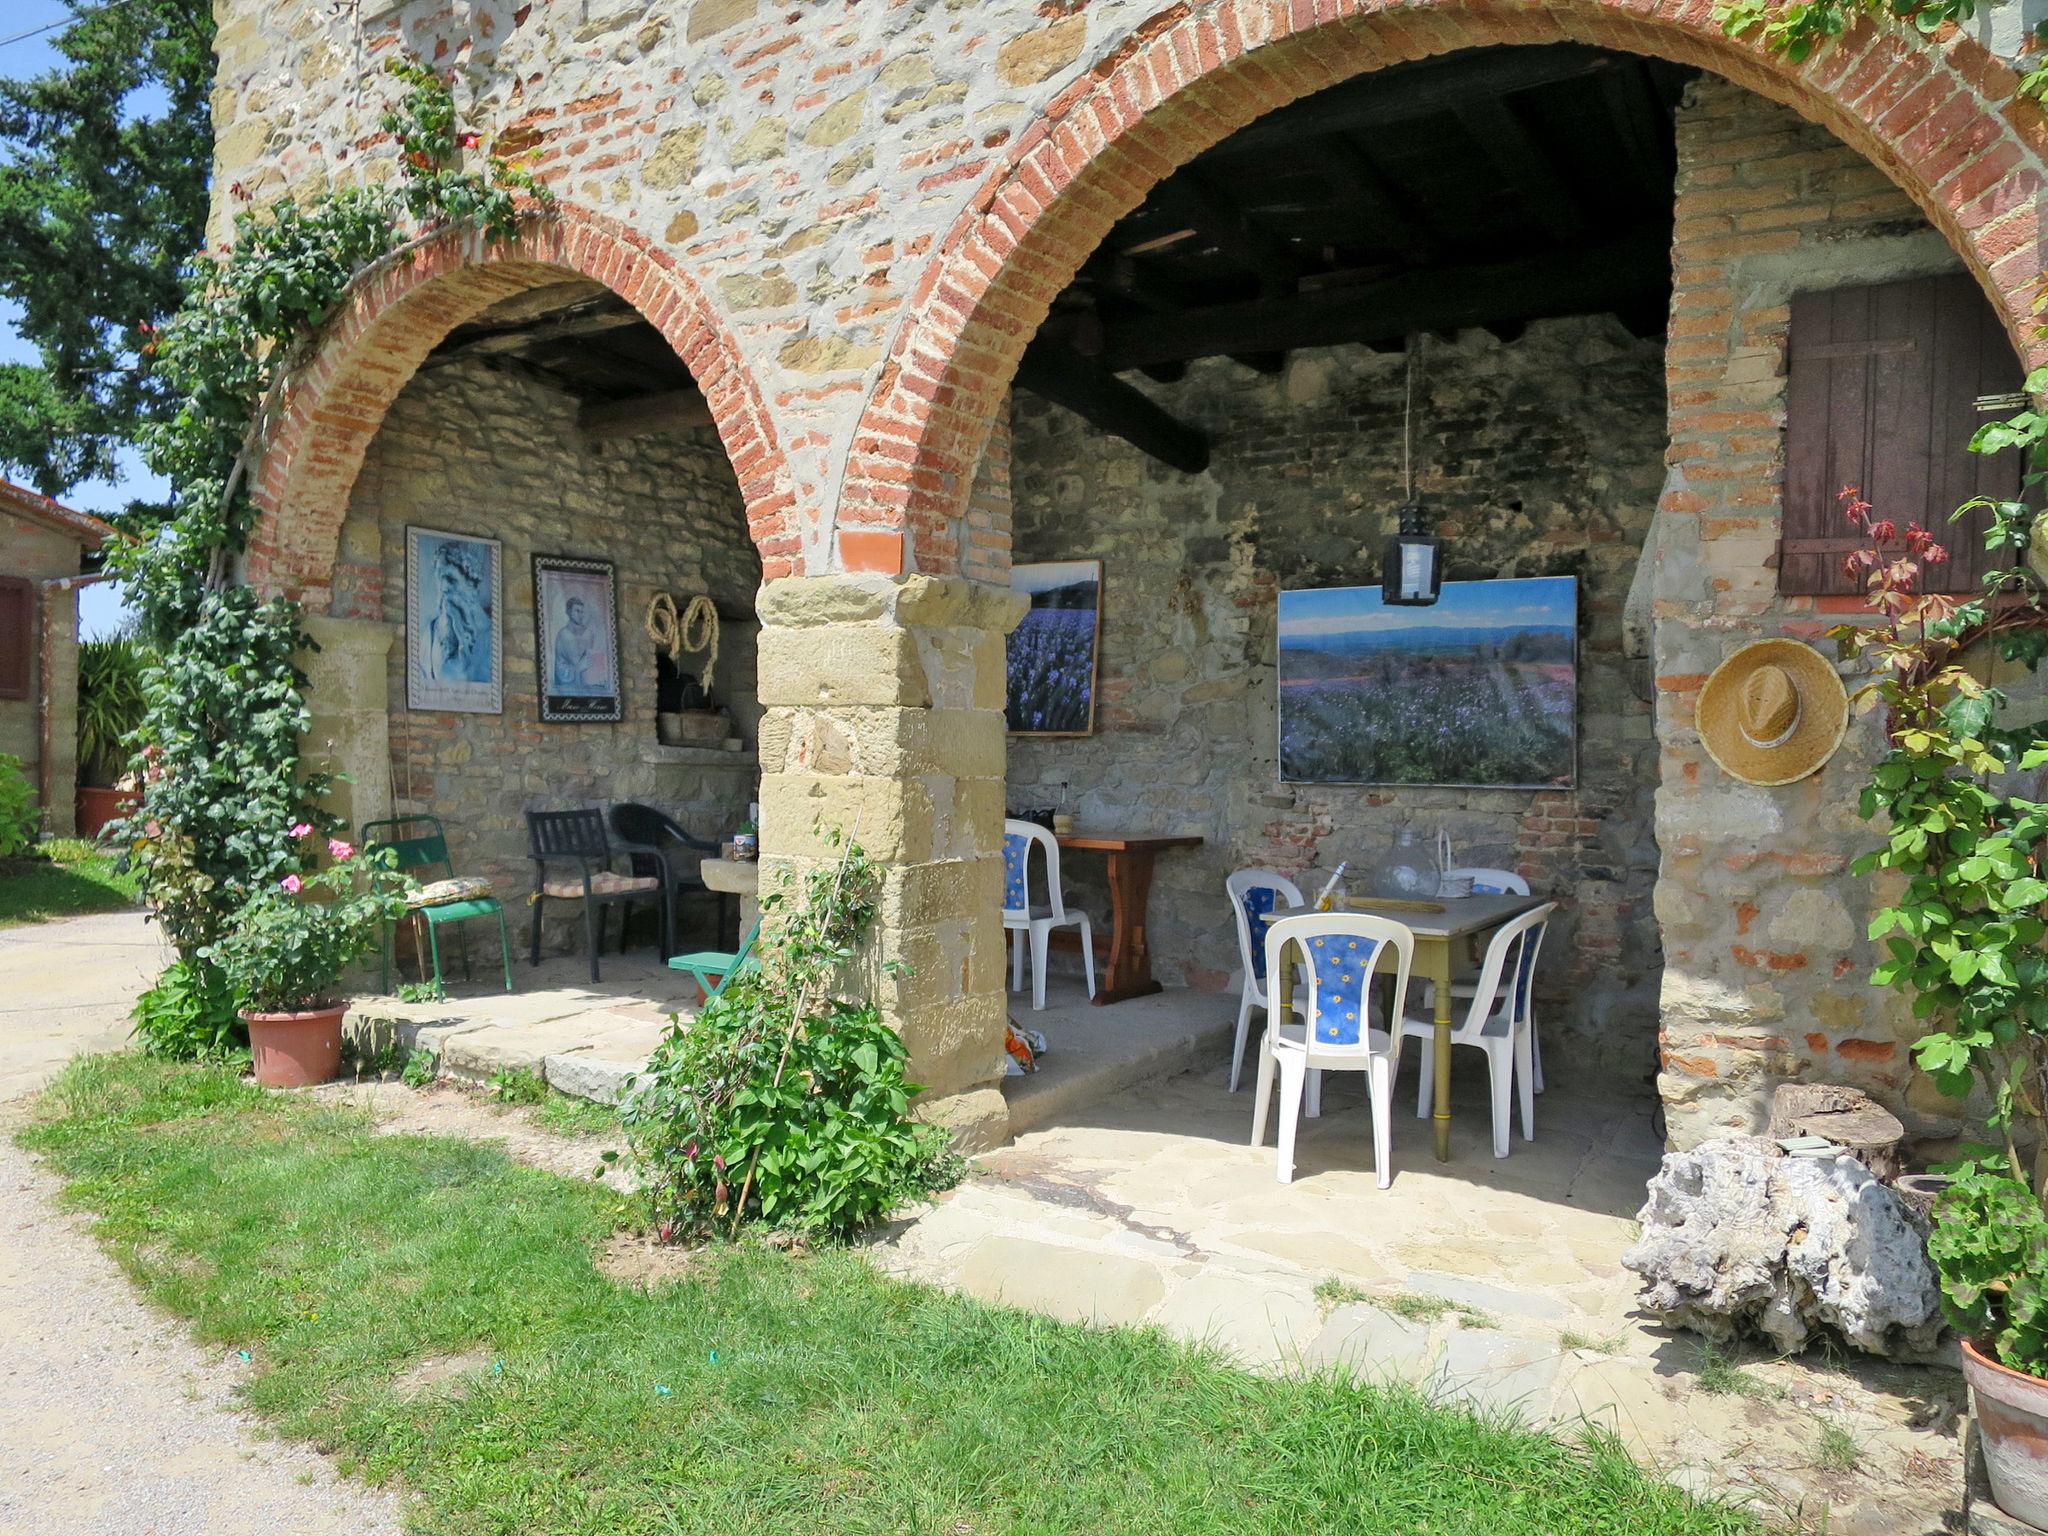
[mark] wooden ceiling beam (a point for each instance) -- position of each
(1614, 275)
(1058, 373)
(1193, 200)
(593, 319)
(674, 410)
(1528, 171)
(1353, 175)
(1403, 93)
(1645, 133)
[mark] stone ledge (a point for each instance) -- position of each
(701, 757)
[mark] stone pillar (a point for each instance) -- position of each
(350, 731)
(884, 719)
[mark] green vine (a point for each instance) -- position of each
(219, 748)
(1796, 29)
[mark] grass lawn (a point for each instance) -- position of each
(70, 877)
(762, 1392)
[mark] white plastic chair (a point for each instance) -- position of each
(1497, 1021)
(1502, 882)
(1255, 894)
(1036, 920)
(1336, 1031)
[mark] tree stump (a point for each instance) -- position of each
(1848, 1117)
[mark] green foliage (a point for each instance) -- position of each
(19, 818)
(190, 1014)
(110, 706)
(292, 944)
(785, 1101)
(101, 207)
(421, 1068)
(1797, 28)
(224, 701)
(754, 1391)
(517, 1085)
(60, 877)
(422, 992)
(1990, 1245)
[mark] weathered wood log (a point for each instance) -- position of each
(1848, 1117)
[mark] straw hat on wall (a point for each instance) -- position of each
(1773, 712)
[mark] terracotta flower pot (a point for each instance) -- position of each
(96, 806)
(295, 1050)
(2012, 1424)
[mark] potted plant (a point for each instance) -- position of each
(110, 709)
(1963, 935)
(291, 946)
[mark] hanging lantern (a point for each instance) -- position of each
(1412, 568)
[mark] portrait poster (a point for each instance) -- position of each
(1478, 689)
(1051, 659)
(454, 635)
(576, 640)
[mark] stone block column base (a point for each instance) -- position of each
(884, 720)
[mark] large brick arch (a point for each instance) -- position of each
(394, 316)
(1938, 117)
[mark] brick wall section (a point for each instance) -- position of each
(469, 450)
(1541, 458)
(871, 204)
(1763, 927)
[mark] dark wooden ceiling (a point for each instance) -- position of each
(1488, 188)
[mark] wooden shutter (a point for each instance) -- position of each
(17, 637)
(1882, 395)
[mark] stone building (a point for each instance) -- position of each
(43, 550)
(801, 256)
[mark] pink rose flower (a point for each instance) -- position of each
(291, 883)
(337, 849)
(301, 829)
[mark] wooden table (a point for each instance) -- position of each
(1129, 972)
(1438, 926)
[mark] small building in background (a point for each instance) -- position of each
(44, 551)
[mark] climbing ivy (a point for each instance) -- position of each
(1797, 28)
(219, 748)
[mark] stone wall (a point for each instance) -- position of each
(1541, 457)
(39, 552)
(469, 450)
(1765, 956)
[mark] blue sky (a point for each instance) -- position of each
(1532, 601)
(99, 608)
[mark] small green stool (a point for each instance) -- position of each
(723, 964)
(420, 845)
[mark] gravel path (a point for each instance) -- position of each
(113, 1423)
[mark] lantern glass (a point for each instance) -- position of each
(1412, 572)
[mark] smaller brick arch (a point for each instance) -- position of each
(396, 314)
(1938, 116)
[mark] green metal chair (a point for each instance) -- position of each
(723, 964)
(422, 850)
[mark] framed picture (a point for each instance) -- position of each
(1052, 653)
(576, 638)
(454, 622)
(1479, 689)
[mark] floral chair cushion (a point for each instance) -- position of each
(440, 893)
(1016, 893)
(1344, 965)
(1258, 917)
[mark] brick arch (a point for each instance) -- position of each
(397, 312)
(1938, 117)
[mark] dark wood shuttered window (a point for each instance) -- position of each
(1882, 395)
(17, 636)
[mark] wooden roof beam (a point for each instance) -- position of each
(1621, 274)
(1640, 124)
(1351, 172)
(1526, 168)
(674, 410)
(1060, 374)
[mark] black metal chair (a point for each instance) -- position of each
(578, 838)
(656, 844)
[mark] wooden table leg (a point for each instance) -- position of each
(1129, 972)
(1439, 967)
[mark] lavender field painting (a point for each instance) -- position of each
(1480, 688)
(1052, 652)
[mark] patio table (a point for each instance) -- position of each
(1129, 972)
(1439, 926)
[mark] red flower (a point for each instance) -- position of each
(1934, 554)
(470, 140)
(1884, 531)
